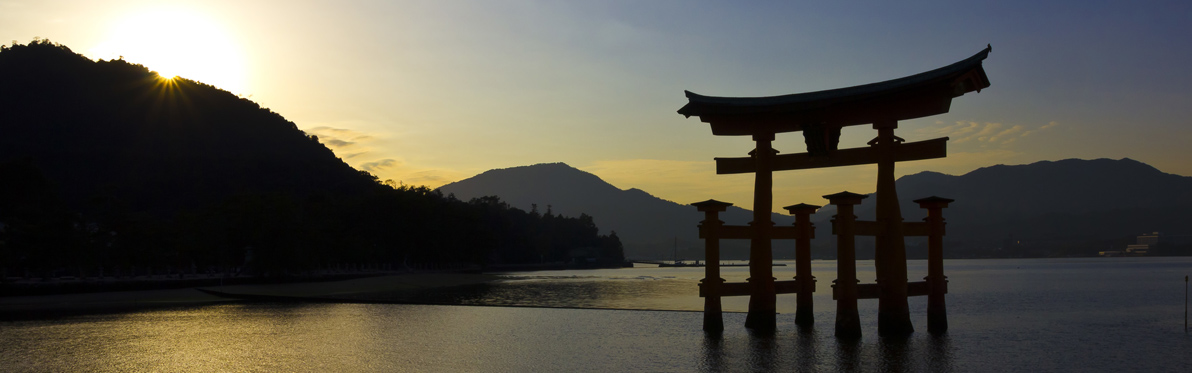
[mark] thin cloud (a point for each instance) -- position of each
(338, 137)
(1047, 126)
(351, 144)
(367, 152)
(985, 134)
(429, 177)
(1008, 135)
(325, 129)
(380, 165)
(337, 143)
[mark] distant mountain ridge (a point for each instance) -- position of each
(1072, 185)
(1068, 201)
(648, 226)
(1048, 204)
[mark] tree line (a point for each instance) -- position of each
(280, 234)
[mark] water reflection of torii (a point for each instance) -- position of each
(820, 116)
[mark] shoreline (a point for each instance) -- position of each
(25, 307)
(72, 285)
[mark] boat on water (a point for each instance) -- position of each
(679, 263)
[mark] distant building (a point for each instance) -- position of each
(1147, 239)
(1142, 245)
(1155, 243)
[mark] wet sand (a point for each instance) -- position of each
(43, 306)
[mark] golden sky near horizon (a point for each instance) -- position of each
(429, 92)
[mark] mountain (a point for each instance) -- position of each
(1068, 207)
(115, 131)
(107, 168)
(647, 225)
(1047, 206)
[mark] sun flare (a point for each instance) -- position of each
(177, 43)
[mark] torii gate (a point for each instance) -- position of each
(820, 116)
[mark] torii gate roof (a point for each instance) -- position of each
(920, 95)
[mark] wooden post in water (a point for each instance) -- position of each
(763, 310)
(893, 311)
(937, 313)
(710, 227)
(848, 322)
(804, 313)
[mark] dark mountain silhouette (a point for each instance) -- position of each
(105, 167)
(647, 225)
(1068, 207)
(115, 130)
(1063, 207)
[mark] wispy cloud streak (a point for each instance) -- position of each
(986, 134)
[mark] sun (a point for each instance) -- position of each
(177, 43)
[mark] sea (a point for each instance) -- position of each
(1005, 315)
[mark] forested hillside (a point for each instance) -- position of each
(105, 166)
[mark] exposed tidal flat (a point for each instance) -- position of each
(1096, 314)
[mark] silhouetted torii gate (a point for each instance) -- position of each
(820, 116)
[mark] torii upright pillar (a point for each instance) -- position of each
(712, 283)
(763, 310)
(937, 313)
(804, 315)
(893, 311)
(848, 321)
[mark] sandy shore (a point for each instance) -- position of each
(42, 306)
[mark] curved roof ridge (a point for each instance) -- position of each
(698, 103)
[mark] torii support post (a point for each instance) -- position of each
(763, 311)
(937, 314)
(848, 322)
(804, 313)
(713, 316)
(893, 312)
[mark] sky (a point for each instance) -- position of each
(431, 92)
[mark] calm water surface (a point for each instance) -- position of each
(1119, 314)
